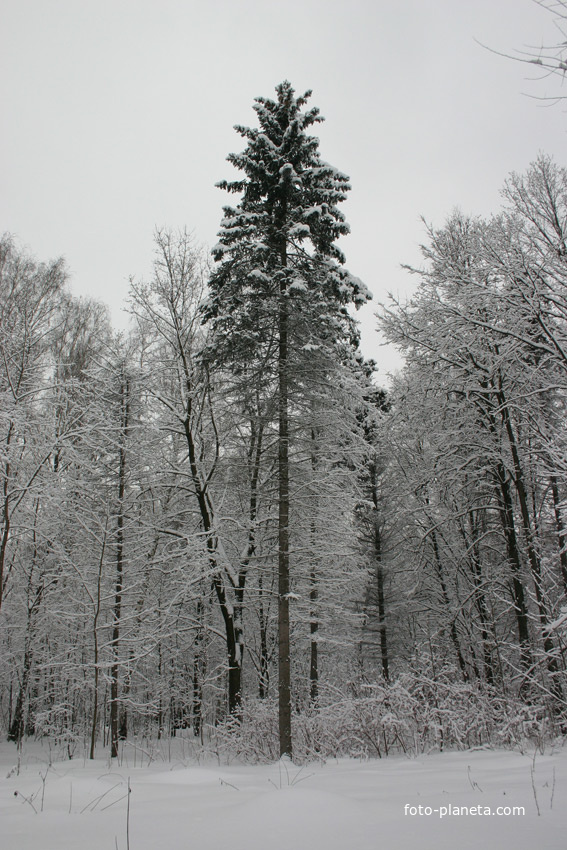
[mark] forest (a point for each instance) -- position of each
(220, 526)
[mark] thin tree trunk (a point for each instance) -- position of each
(447, 603)
(284, 660)
(123, 718)
(34, 598)
(313, 584)
(119, 586)
(5, 516)
(314, 646)
(379, 576)
(514, 560)
(561, 533)
(533, 555)
(506, 512)
(480, 601)
(227, 611)
(95, 645)
(16, 731)
(264, 673)
(198, 672)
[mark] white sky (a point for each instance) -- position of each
(117, 117)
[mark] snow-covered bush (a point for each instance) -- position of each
(253, 739)
(411, 715)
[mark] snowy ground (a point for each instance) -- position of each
(177, 805)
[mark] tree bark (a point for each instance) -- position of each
(264, 671)
(119, 586)
(284, 660)
(561, 533)
(379, 575)
(508, 526)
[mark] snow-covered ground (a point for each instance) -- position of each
(357, 805)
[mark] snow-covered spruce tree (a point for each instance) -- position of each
(280, 294)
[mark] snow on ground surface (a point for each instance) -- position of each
(178, 804)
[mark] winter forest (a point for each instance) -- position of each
(220, 526)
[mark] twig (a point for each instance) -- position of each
(474, 785)
(296, 781)
(94, 803)
(43, 778)
(128, 817)
(27, 799)
(123, 797)
(532, 769)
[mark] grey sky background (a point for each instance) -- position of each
(117, 117)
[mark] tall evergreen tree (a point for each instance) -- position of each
(280, 294)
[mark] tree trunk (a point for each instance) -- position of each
(5, 516)
(484, 405)
(264, 671)
(313, 630)
(233, 640)
(533, 555)
(561, 533)
(447, 604)
(16, 731)
(480, 601)
(198, 672)
(284, 661)
(513, 553)
(313, 582)
(379, 576)
(119, 586)
(94, 722)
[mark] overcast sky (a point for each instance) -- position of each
(117, 116)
